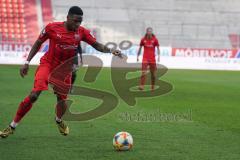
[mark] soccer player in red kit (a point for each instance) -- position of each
(149, 42)
(64, 38)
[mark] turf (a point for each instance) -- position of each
(209, 98)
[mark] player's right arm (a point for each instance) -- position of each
(139, 50)
(35, 48)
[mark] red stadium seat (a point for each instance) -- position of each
(21, 20)
(13, 14)
(15, 5)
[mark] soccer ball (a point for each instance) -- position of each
(122, 141)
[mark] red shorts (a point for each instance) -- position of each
(44, 76)
(151, 63)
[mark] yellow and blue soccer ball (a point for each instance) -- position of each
(122, 141)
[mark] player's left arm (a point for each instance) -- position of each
(87, 37)
(102, 48)
(158, 52)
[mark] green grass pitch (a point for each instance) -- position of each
(213, 132)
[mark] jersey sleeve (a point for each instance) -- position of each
(44, 35)
(87, 37)
(156, 42)
(141, 42)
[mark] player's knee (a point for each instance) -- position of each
(61, 98)
(74, 76)
(144, 73)
(33, 97)
(153, 75)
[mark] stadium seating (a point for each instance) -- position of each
(13, 26)
(180, 23)
(19, 19)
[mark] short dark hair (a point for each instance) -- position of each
(149, 28)
(75, 10)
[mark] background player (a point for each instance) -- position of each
(64, 38)
(149, 42)
(78, 61)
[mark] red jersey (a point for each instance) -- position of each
(63, 43)
(149, 47)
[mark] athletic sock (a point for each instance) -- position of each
(23, 108)
(143, 77)
(58, 120)
(13, 125)
(60, 110)
(152, 83)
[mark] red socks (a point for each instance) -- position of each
(60, 109)
(23, 108)
(143, 77)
